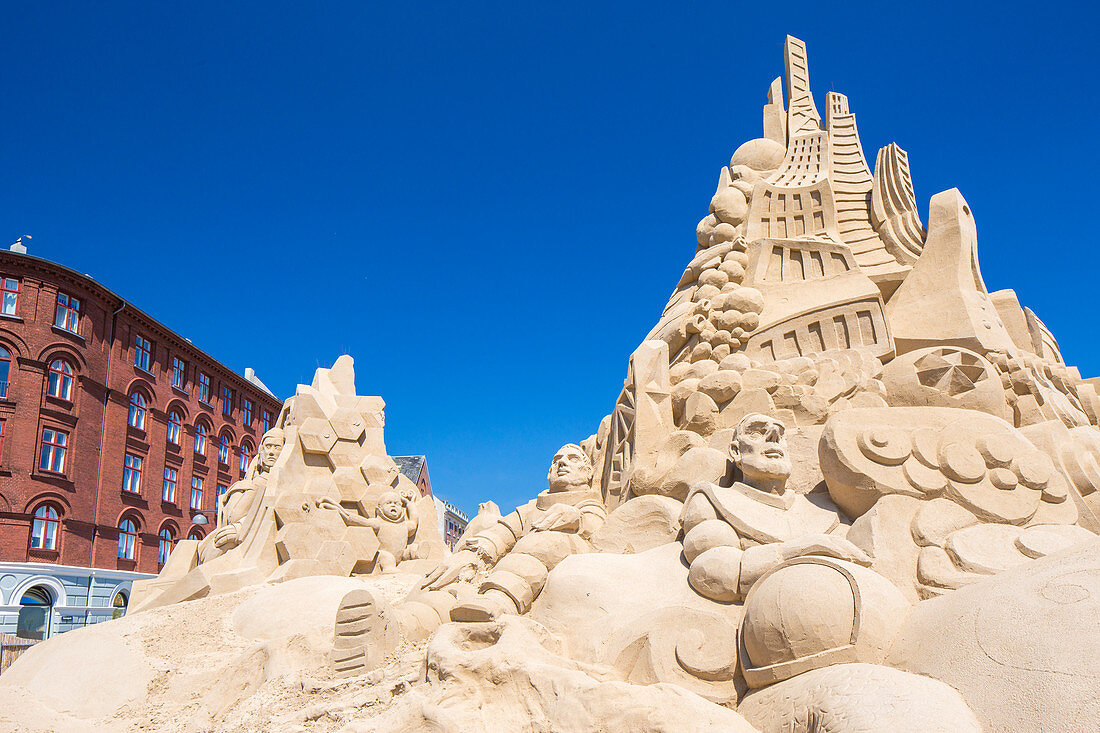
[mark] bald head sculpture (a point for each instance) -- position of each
(570, 469)
(271, 445)
(759, 449)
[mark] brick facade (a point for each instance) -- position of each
(88, 493)
(423, 482)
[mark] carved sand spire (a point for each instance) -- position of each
(802, 115)
(775, 114)
(852, 185)
(316, 511)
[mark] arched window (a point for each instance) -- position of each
(175, 424)
(44, 528)
(5, 370)
(200, 439)
(34, 614)
(223, 450)
(127, 539)
(118, 605)
(194, 535)
(164, 546)
(137, 411)
(60, 382)
(246, 456)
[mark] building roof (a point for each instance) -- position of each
(450, 508)
(411, 466)
(20, 256)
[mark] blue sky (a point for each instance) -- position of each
(488, 204)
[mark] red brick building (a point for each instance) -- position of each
(113, 428)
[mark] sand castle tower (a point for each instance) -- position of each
(811, 273)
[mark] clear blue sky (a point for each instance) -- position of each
(488, 205)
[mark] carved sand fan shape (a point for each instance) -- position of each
(951, 371)
(894, 206)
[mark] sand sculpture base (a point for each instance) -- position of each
(257, 660)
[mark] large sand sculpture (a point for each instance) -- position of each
(844, 488)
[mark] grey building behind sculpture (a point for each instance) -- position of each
(77, 597)
(452, 521)
(415, 469)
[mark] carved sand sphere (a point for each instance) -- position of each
(844, 488)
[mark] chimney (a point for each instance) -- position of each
(250, 375)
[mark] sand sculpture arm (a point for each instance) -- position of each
(233, 507)
(495, 542)
(592, 518)
(760, 559)
(485, 547)
(412, 521)
(349, 518)
(583, 519)
(721, 570)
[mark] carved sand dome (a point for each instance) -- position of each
(814, 612)
(760, 154)
(946, 376)
(776, 629)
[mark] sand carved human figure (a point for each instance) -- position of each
(735, 534)
(239, 506)
(524, 546)
(395, 522)
(512, 558)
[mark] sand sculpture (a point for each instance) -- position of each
(320, 498)
(844, 488)
(497, 568)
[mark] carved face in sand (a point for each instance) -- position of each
(270, 448)
(390, 506)
(759, 448)
(570, 469)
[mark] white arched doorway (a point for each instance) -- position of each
(35, 613)
(36, 597)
